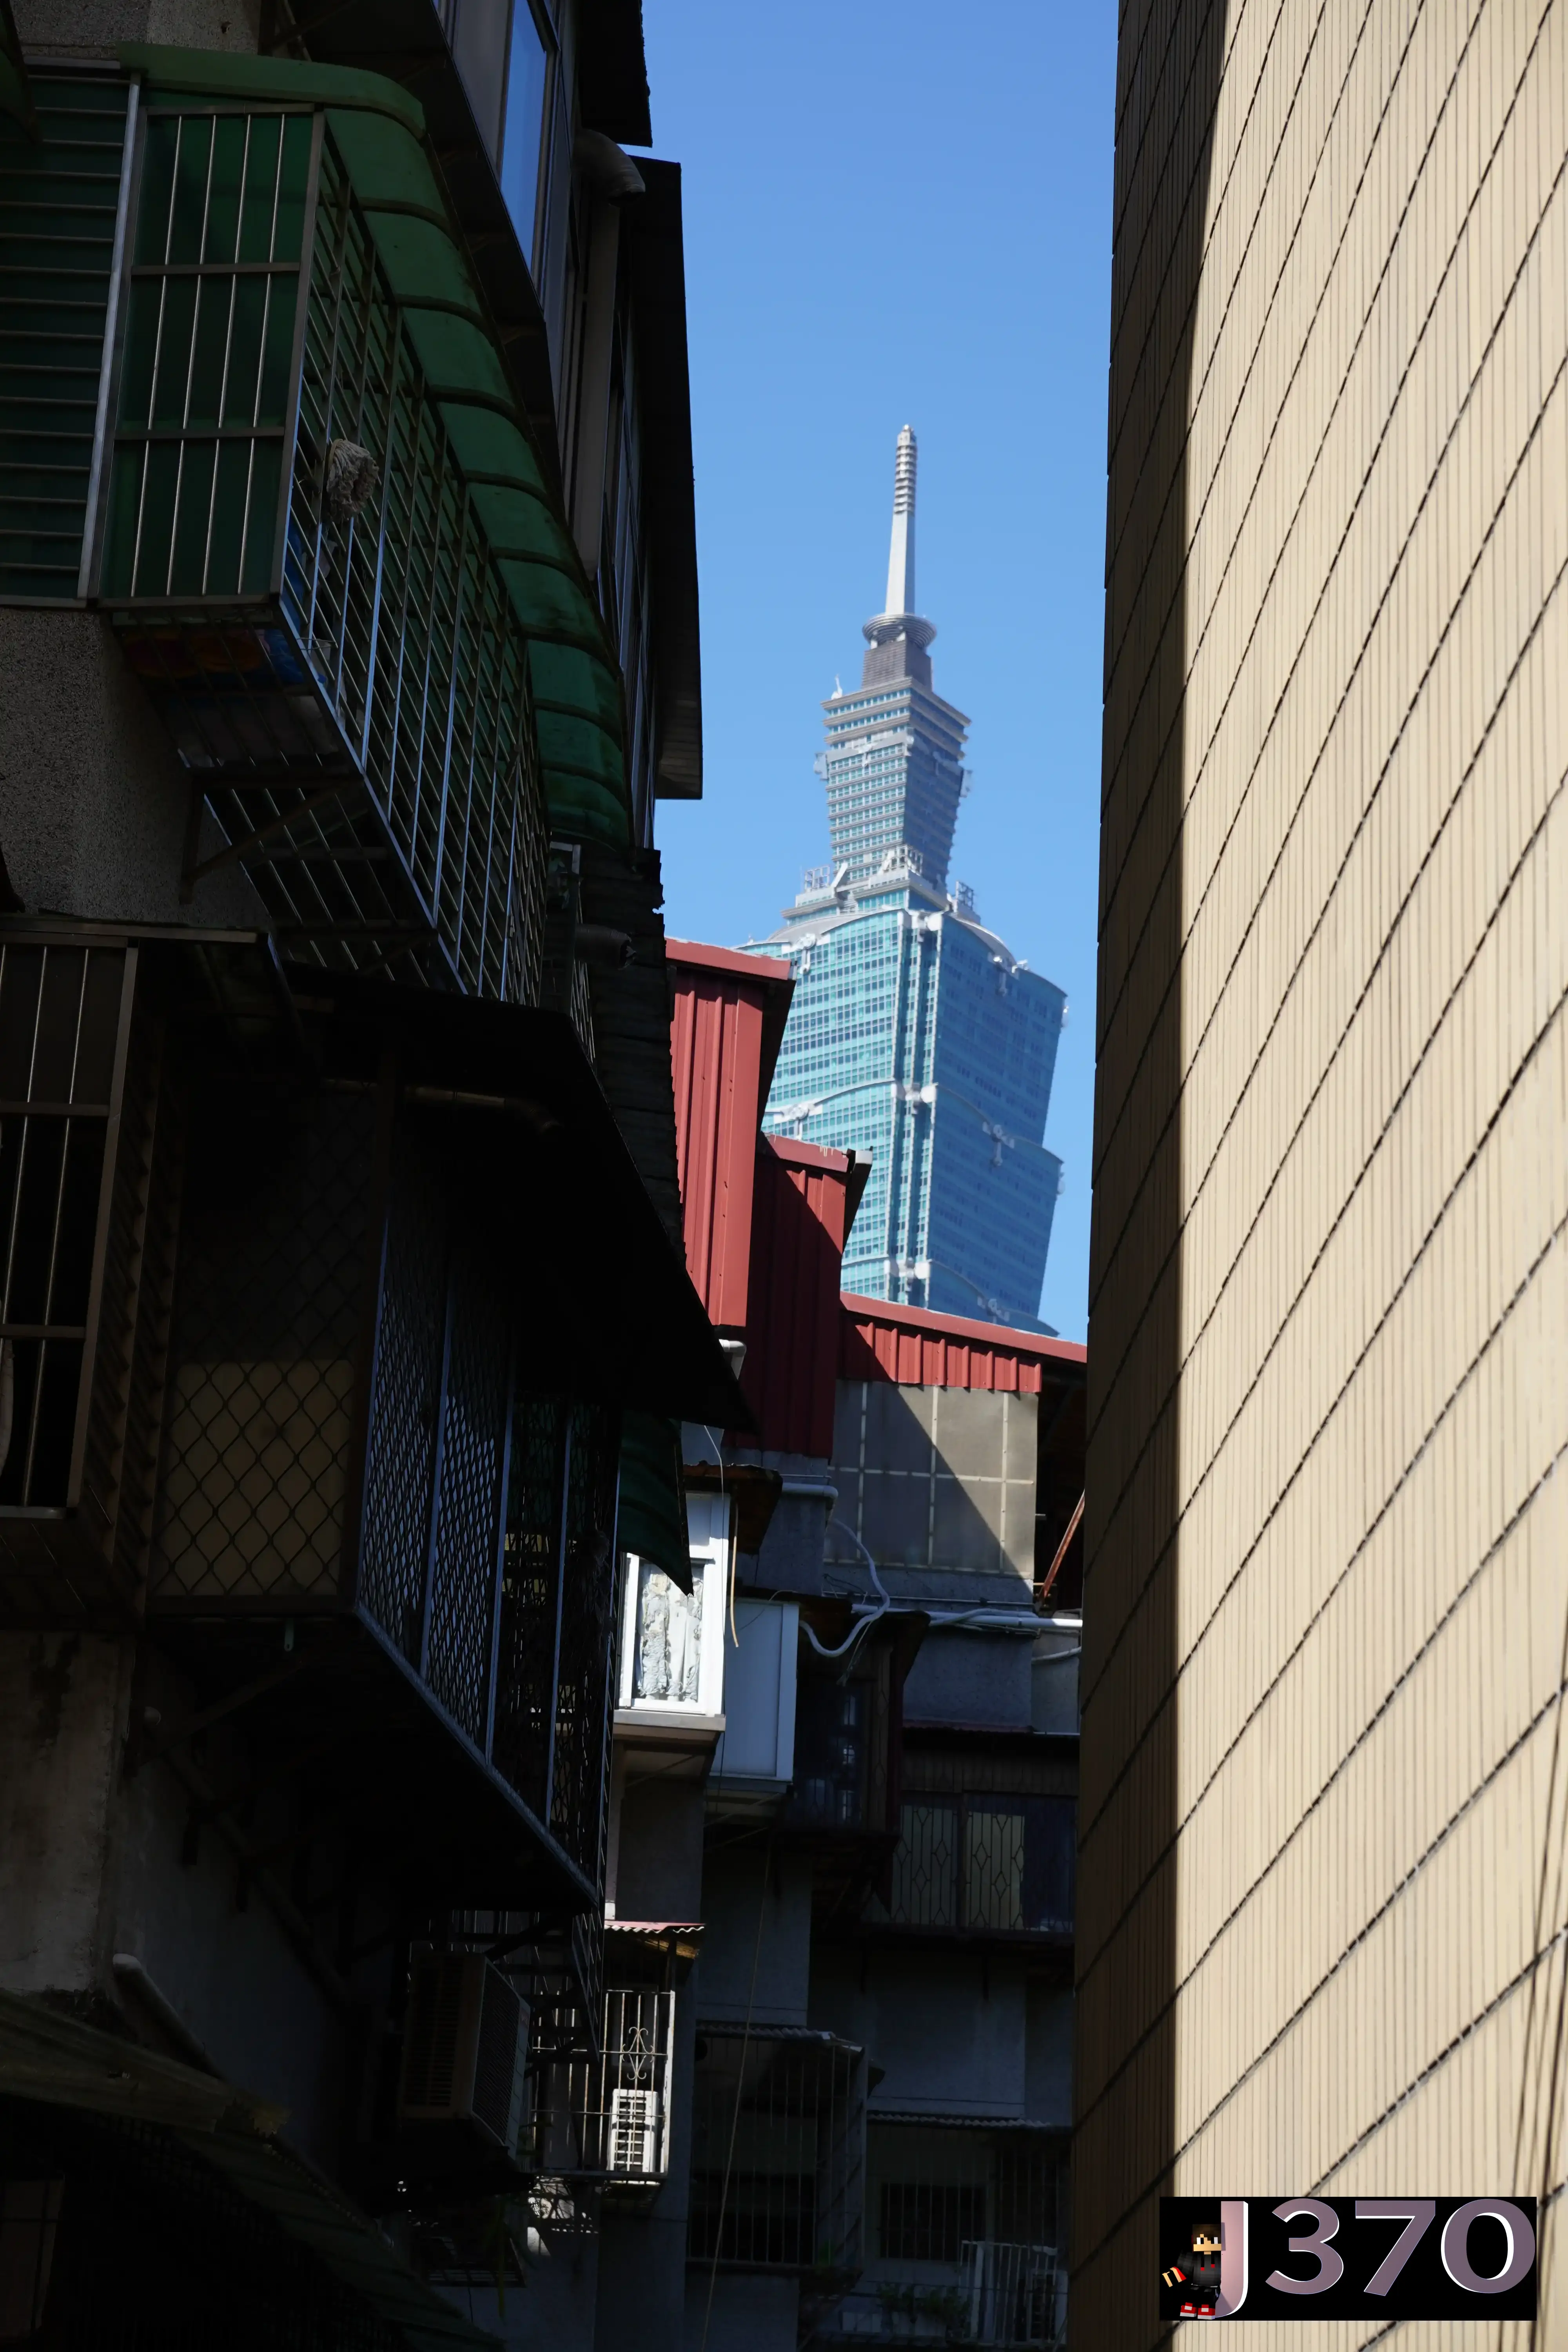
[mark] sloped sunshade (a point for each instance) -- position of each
(379, 133)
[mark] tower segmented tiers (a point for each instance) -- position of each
(915, 1035)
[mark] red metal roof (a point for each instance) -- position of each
(879, 1341)
(728, 1017)
(805, 1198)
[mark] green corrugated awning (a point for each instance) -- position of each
(58, 2061)
(379, 133)
(651, 1519)
(15, 90)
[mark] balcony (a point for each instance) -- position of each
(963, 2225)
(295, 1384)
(778, 2154)
(313, 511)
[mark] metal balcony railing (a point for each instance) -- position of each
(603, 2114)
(295, 562)
(778, 2153)
(962, 2230)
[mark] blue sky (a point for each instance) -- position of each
(902, 216)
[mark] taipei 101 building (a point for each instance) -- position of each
(914, 1036)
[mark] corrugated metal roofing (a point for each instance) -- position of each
(801, 1214)
(729, 1015)
(878, 1341)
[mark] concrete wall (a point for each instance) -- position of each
(756, 1950)
(948, 2028)
(93, 802)
(1321, 1900)
(91, 1864)
(728, 2311)
(966, 1678)
(92, 28)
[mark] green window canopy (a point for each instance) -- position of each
(651, 1519)
(379, 133)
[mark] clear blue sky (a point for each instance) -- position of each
(901, 215)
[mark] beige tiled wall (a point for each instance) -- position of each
(1324, 1883)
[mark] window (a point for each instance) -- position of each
(928, 2221)
(523, 138)
(672, 1643)
(990, 1864)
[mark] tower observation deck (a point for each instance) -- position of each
(915, 1037)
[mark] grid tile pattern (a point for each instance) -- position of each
(1322, 1931)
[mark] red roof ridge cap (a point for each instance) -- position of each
(963, 1327)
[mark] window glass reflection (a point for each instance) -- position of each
(527, 72)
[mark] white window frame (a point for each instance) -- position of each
(707, 1538)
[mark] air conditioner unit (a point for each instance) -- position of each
(636, 2127)
(465, 2048)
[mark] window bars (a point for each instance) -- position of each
(964, 2226)
(982, 1864)
(292, 556)
(64, 1014)
(483, 1545)
(778, 2125)
(605, 2116)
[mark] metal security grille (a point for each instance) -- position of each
(778, 2133)
(296, 563)
(983, 1864)
(59, 203)
(583, 1689)
(64, 1012)
(531, 1586)
(401, 1446)
(268, 1320)
(963, 2243)
(461, 1642)
(206, 373)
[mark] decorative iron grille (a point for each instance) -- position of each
(778, 2148)
(292, 555)
(64, 1019)
(982, 1864)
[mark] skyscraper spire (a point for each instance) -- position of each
(901, 555)
(899, 623)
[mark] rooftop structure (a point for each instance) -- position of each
(915, 1037)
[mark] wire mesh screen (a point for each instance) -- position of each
(778, 2132)
(463, 1564)
(400, 1454)
(266, 1327)
(60, 1017)
(301, 573)
(205, 386)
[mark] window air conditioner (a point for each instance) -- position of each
(635, 2131)
(465, 2048)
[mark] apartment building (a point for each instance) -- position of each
(1321, 1934)
(842, 1848)
(348, 633)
